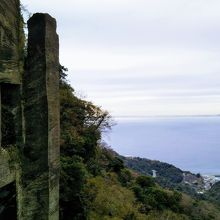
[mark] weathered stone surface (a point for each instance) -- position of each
(8, 208)
(34, 118)
(11, 41)
(40, 164)
(11, 115)
(11, 63)
(7, 171)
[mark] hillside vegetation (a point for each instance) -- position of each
(97, 185)
(213, 194)
(168, 176)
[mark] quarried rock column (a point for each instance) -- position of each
(39, 197)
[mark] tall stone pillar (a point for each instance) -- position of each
(39, 198)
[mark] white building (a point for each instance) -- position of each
(154, 173)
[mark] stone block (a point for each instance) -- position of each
(11, 42)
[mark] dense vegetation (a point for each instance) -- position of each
(168, 176)
(213, 194)
(164, 170)
(97, 185)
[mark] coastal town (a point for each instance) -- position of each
(210, 180)
(200, 183)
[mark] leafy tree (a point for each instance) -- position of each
(81, 125)
(116, 164)
(81, 122)
(125, 177)
(107, 199)
(73, 179)
(145, 181)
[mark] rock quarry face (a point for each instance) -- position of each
(11, 41)
(29, 96)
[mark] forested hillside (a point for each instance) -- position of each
(95, 182)
(213, 194)
(168, 176)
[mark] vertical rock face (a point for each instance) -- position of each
(30, 103)
(11, 63)
(40, 164)
(11, 41)
(7, 175)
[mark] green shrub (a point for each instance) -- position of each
(145, 181)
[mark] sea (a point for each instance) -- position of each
(190, 143)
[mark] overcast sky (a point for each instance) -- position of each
(141, 57)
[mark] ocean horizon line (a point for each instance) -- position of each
(163, 116)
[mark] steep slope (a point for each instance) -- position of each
(168, 175)
(96, 183)
(214, 193)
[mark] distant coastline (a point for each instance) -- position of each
(162, 116)
(188, 142)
